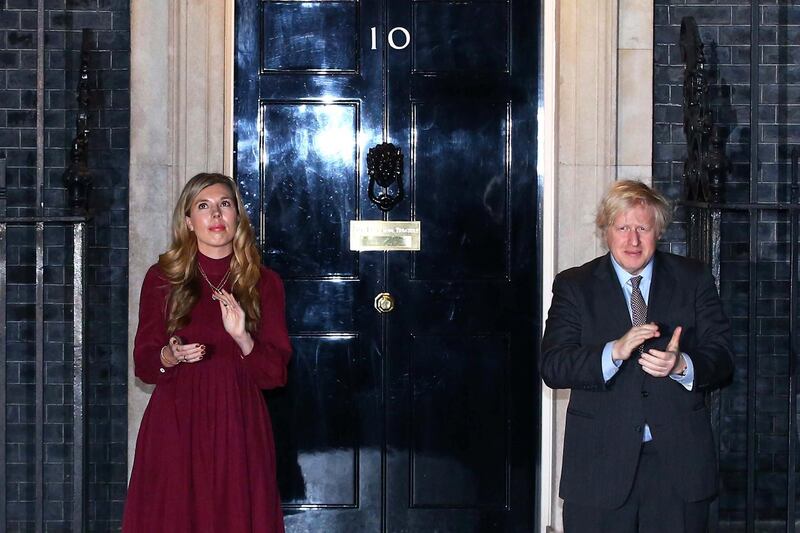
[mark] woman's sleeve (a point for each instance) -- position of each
(151, 335)
(271, 349)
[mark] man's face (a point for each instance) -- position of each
(632, 238)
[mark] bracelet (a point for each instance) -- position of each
(163, 359)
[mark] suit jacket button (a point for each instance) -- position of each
(645, 394)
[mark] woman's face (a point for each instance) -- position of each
(213, 219)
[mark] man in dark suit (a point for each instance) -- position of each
(638, 336)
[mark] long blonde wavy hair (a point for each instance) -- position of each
(179, 263)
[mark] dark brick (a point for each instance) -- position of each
(667, 114)
(18, 512)
(782, 134)
(666, 34)
(71, 20)
(120, 138)
(776, 15)
(788, 35)
(767, 153)
(733, 74)
(785, 55)
(28, 98)
(9, 59)
(120, 99)
(114, 119)
(780, 94)
(113, 40)
(661, 55)
(767, 114)
(21, 39)
(709, 34)
(21, 79)
(9, 20)
(57, 413)
(28, 20)
(54, 40)
(9, 99)
(704, 15)
(790, 114)
(114, 5)
(121, 20)
(741, 15)
(56, 491)
(9, 138)
(57, 453)
(27, 138)
(98, 60)
(25, 118)
(81, 4)
(740, 55)
(766, 35)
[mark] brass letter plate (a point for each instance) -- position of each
(384, 236)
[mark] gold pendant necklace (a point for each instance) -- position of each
(214, 288)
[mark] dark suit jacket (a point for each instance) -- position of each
(605, 420)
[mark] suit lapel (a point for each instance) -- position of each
(612, 290)
(661, 290)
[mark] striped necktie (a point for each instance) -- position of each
(638, 307)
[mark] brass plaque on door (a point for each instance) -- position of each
(385, 235)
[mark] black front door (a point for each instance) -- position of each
(424, 418)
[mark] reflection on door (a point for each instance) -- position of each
(424, 417)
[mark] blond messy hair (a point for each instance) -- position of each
(626, 194)
(179, 263)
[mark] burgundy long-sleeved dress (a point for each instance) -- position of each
(205, 456)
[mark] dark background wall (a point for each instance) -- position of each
(725, 28)
(106, 261)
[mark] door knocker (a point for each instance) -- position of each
(385, 166)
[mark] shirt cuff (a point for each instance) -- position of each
(610, 367)
(687, 380)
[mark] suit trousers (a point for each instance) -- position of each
(653, 506)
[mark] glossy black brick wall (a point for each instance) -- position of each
(725, 28)
(106, 262)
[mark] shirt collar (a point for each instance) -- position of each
(624, 276)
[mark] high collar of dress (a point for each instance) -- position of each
(214, 267)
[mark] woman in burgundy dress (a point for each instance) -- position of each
(212, 334)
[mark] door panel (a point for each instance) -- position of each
(459, 404)
(459, 176)
(424, 418)
(332, 380)
(448, 39)
(310, 36)
(310, 150)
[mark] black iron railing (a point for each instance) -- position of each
(705, 170)
(77, 182)
(78, 226)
